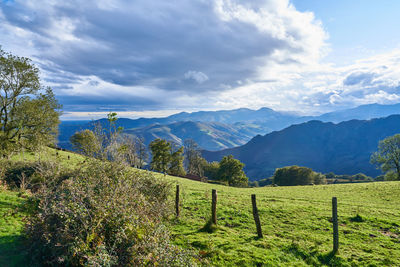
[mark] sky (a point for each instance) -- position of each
(149, 58)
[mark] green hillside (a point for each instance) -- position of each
(295, 222)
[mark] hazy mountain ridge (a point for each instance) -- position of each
(215, 130)
(344, 148)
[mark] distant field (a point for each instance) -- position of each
(295, 222)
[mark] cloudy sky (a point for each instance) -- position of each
(155, 58)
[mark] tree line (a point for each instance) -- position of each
(162, 156)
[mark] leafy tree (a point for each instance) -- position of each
(295, 175)
(194, 161)
(86, 142)
(231, 170)
(161, 155)
(29, 116)
(211, 170)
(176, 165)
(387, 158)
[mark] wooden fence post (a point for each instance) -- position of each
(335, 226)
(177, 201)
(255, 215)
(214, 207)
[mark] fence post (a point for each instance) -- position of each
(214, 207)
(335, 226)
(177, 201)
(255, 215)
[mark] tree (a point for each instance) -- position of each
(161, 155)
(295, 175)
(193, 159)
(141, 152)
(387, 158)
(29, 115)
(231, 170)
(127, 149)
(86, 142)
(211, 170)
(176, 165)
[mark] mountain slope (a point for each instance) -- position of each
(209, 135)
(364, 112)
(239, 125)
(343, 148)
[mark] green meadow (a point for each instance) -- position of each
(296, 223)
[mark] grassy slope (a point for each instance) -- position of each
(295, 222)
(11, 226)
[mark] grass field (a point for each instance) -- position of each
(12, 213)
(295, 222)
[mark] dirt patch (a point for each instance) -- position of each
(387, 232)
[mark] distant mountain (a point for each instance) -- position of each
(235, 127)
(343, 148)
(212, 130)
(209, 135)
(265, 117)
(364, 112)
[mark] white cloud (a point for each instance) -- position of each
(186, 55)
(197, 76)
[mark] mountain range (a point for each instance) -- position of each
(343, 148)
(216, 130)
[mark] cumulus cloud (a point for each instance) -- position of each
(152, 43)
(207, 54)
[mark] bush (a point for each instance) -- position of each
(103, 215)
(27, 175)
(295, 175)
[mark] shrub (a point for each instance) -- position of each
(103, 215)
(295, 175)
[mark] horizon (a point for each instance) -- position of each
(155, 59)
(102, 115)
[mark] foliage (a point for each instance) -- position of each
(295, 175)
(265, 181)
(345, 178)
(194, 161)
(28, 116)
(86, 142)
(161, 156)
(141, 152)
(387, 158)
(211, 170)
(167, 158)
(103, 215)
(231, 170)
(176, 165)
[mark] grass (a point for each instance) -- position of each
(295, 222)
(12, 213)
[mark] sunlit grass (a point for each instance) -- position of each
(295, 222)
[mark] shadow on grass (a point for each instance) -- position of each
(314, 257)
(13, 251)
(209, 227)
